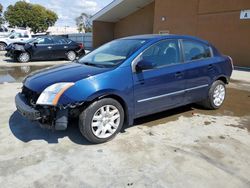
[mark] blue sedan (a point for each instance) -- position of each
(126, 79)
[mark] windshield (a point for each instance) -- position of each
(31, 40)
(112, 53)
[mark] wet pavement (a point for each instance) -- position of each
(17, 74)
(237, 103)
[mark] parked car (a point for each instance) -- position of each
(4, 31)
(126, 79)
(14, 37)
(45, 48)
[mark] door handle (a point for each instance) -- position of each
(178, 75)
(210, 67)
(65, 46)
(49, 47)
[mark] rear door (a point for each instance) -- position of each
(61, 47)
(163, 86)
(199, 70)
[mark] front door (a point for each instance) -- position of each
(161, 87)
(43, 48)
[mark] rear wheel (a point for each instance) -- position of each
(102, 120)
(2, 46)
(216, 95)
(23, 57)
(71, 55)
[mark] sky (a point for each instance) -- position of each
(67, 10)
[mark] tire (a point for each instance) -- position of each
(216, 96)
(2, 46)
(71, 55)
(23, 57)
(97, 128)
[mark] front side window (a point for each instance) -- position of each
(112, 53)
(44, 40)
(195, 50)
(162, 53)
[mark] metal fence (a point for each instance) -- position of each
(85, 38)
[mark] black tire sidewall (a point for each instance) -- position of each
(211, 93)
(85, 119)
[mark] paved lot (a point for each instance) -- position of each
(185, 147)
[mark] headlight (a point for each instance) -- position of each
(51, 95)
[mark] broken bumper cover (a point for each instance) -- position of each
(25, 110)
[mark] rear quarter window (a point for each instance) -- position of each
(195, 50)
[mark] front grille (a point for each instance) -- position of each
(30, 96)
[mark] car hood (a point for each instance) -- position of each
(72, 72)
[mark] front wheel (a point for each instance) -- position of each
(23, 57)
(102, 120)
(2, 46)
(216, 95)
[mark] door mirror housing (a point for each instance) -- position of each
(35, 43)
(12, 37)
(144, 65)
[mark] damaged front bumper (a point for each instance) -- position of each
(50, 118)
(25, 110)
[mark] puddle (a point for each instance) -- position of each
(237, 103)
(17, 74)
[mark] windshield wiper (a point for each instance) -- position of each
(94, 64)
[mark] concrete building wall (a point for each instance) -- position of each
(220, 24)
(140, 22)
(216, 21)
(102, 32)
(180, 16)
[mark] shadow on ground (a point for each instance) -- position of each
(27, 131)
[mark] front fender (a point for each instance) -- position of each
(116, 82)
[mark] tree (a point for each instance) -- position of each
(83, 23)
(1, 17)
(34, 16)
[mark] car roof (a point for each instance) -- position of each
(150, 37)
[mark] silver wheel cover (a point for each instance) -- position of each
(24, 57)
(105, 121)
(219, 95)
(71, 56)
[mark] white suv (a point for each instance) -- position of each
(14, 37)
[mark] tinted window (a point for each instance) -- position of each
(60, 41)
(195, 50)
(163, 53)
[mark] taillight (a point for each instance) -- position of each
(231, 61)
(81, 45)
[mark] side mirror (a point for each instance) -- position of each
(35, 43)
(144, 65)
(12, 37)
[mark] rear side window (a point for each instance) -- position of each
(163, 53)
(195, 50)
(60, 40)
